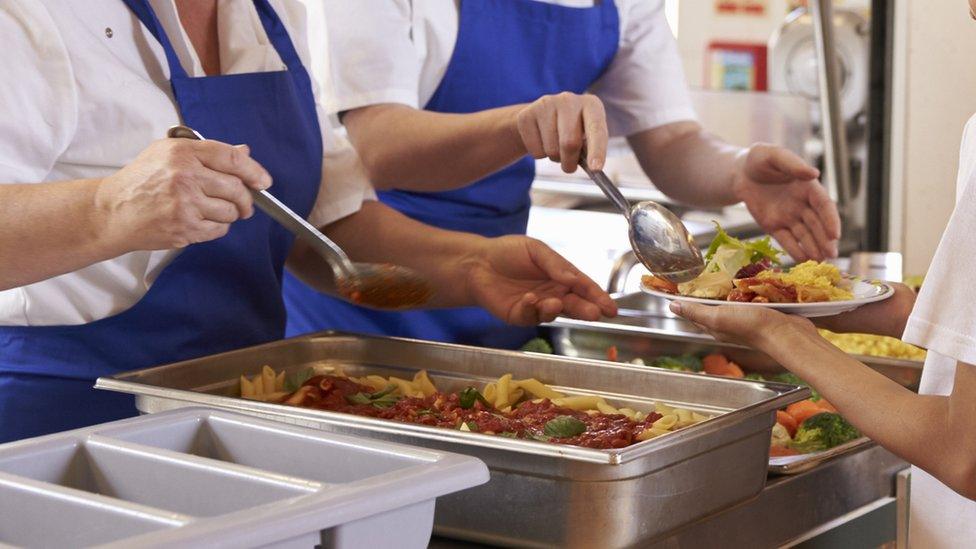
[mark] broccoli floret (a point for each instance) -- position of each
(537, 345)
(683, 363)
(792, 379)
(755, 377)
(822, 432)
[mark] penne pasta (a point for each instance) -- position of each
(504, 395)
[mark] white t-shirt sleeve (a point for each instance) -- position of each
(645, 86)
(345, 184)
(38, 100)
(944, 318)
(372, 56)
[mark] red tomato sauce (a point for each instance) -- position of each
(526, 421)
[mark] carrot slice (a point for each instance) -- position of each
(803, 410)
(735, 371)
(612, 354)
(715, 364)
(787, 421)
(826, 405)
(781, 451)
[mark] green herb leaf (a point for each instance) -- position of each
(541, 438)
(469, 396)
(380, 399)
(564, 427)
(293, 382)
(472, 426)
(508, 434)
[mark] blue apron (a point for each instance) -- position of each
(214, 296)
(507, 52)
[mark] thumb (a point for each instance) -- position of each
(695, 312)
(789, 163)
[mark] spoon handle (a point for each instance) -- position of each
(607, 186)
(341, 265)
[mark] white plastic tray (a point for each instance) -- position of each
(205, 477)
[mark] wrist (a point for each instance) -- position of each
(104, 225)
(739, 182)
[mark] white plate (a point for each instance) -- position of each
(864, 293)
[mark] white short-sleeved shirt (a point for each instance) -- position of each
(397, 51)
(944, 322)
(85, 87)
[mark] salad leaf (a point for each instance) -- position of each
(469, 396)
(755, 377)
(295, 381)
(793, 379)
(564, 427)
(729, 254)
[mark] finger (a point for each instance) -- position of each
(531, 138)
(789, 163)
(569, 125)
(217, 210)
(595, 132)
(576, 307)
(827, 245)
(826, 209)
(701, 315)
(210, 230)
(557, 268)
(548, 309)
(233, 160)
(227, 187)
(806, 240)
(789, 243)
(524, 312)
(546, 121)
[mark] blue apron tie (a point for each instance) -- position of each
(507, 52)
(213, 297)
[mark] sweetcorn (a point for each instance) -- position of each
(874, 345)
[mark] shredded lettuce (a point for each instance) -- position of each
(728, 254)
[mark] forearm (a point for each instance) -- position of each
(417, 150)
(918, 428)
(48, 229)
(688, 164)
(379, 234)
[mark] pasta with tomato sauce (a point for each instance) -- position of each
(514, 408)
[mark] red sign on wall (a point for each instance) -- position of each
(741, 7)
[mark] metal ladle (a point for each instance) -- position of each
(374, 285)
(659, 238)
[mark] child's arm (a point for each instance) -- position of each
(932, 432)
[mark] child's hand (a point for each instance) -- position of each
(756, 327)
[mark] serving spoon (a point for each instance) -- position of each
(381, 286)
(659, 238)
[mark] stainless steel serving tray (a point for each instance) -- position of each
(646, 329)
(540, 494)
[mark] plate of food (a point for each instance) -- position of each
(749, 273)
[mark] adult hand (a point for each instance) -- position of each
(556, 126)
(784, 196)
(179, 192)
(524, 282)
(754, 327)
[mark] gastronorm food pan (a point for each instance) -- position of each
(539, 494)
(645, 329)
(205, 478)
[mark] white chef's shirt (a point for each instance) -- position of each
(397, 51)
(85, 87)
(944, 322)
